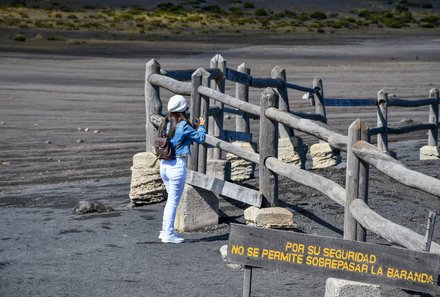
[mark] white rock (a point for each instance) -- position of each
(271, 217)
(324, 156)
(429, 153)
(241, 170)
(343, 288)
(146, 184)
(224, 253)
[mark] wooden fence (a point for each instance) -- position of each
(382, 102)
(271, 112)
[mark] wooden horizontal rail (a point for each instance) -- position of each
(388, 230)
(214, 110)
(304, 115)
(377, 130)
(410, 128)
(309, 116)
(248, 80)
(238, 77)
(317, 182)
(240, 113)
(170, 84)
(317, 129)
(402, 130)
(411, 103)
(300, 88)
(185, 75)
(229, 100)
(236, 192)
(349, 102)
(395, 169)
(233, 149)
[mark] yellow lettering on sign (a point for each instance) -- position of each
(349, 255)
(253, 252)
(313, 250)
(414, 276)
(281, 256)
(294, 247)
(237, 249)
(376, 272)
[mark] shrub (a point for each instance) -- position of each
(430, 19)
(54, 38)
(214, 8)
(20, 37)
(261, 12)
(392, 23)
(236, 11)
(427, 5)
(249, 5)
(304, 16)
(400, 6)
(319, 15)
(364, 13)
(290, 14)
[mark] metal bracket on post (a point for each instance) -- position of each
(428, 239)
(429, 230)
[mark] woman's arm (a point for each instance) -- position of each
(198, 135)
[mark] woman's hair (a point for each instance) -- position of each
(174, 118)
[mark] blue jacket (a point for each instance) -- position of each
(187, 134)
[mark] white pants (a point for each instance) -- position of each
(173, 173)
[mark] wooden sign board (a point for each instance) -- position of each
(332, 257)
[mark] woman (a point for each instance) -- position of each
(173, 172)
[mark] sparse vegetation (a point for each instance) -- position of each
(20, 37)
(319, 15)
(260, 12)
(249, 5)
(195, 16)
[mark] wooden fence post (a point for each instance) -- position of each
(153, 105)
(352, 180)
(382, 138)
(194, 109)
(319, 91)
(268, 143)
(204, 108)
(433, 118)
(323, 155)
(242, 93)
(217, 123)
(363, 181)
(278, 73)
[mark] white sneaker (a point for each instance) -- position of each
(161, 234)
(172, 238)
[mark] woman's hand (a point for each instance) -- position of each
(202, 121)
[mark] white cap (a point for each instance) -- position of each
(177, 103)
